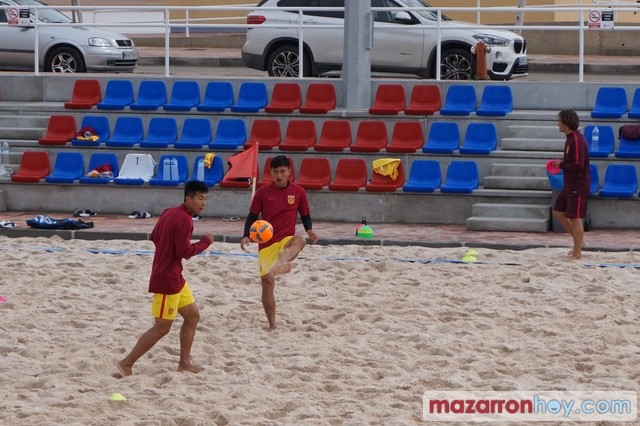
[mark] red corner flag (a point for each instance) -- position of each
(244, 165)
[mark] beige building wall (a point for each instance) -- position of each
(235, 17)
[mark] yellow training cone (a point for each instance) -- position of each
(471, 252)
(117, 397)
(469, 259)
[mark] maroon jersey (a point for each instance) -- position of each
(577, 174)
(280, 207)
(172, 238)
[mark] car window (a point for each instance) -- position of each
(432, 16)
(46, 15)
(3, 16)
(383, 15)
(316, 3)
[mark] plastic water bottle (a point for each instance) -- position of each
(595, 139)
(4, 154)
(174, 168)
(166, 169)
(200, 170)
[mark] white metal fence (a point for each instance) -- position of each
(157, 19)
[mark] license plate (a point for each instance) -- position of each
(129, 55)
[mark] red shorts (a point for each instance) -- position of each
(572, 205)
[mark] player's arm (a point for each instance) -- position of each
(308, 226)
(251, 217)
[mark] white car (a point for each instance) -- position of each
(400, 45)
(63, 49)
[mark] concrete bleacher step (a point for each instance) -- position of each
(20, 133)
(517, 176)
(11, 120)
(509, 217)
(531, 144)
(507, 224)
(517, 182)
(534, 131)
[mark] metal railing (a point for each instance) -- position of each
(167, 25)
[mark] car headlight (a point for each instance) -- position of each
(490, 40)
(99, 42)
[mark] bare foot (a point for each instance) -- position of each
(190, 368)
(124, 371)
(270, 328)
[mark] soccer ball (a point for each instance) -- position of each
(261, 231)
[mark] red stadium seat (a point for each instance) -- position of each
(320, 99)
(286, 98)
(34, 166)
(266, 132)
(86, 94)
(315, 173)
(351, 175)
(371, 137)
(300, 136)
(389, 100)
(425, 99)
(334, 136)
(407, 136)
(382, 183)
(60, 130)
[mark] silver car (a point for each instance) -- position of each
(63, 49)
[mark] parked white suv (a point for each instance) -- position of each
(400, 45)
(62, 49)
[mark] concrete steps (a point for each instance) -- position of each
(517, 176)
(529, 137)
(509, 217)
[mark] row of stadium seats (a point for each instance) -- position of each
(611, 102)
(620, 181)
(300, 135)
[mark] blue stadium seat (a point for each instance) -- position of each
(424, 176)
(212, 175)
(620, 181)
(166, 175)
(218, 96)
(443, 138)
(162, 132)
(611, 102)
(480, 139)
(595, 179)
(460, 100)
(497, 101)
(184, 96)
(231, 133)
(606, 144)
(634, 112)
(117, 96)
(196, 133)
(127, 132)
(152, 94)
(462, 177)
(628, 148)
(68, 168)
(252, 97)
(100, 160)
(100, 125)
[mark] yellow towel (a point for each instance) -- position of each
(387, 167)
(208, 159)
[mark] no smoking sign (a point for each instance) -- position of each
(601, 19)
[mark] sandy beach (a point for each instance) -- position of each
(362, 332)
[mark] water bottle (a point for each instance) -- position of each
(200, 170)
(174, 168)
(4, 154)
(166, 169)
(595, 139)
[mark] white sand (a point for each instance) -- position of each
(358, 342)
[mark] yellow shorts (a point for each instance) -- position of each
(165, 306)
(268, 257)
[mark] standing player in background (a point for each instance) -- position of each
(571, 205)
(171, 294)
(279, 202)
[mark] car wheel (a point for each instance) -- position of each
(285, 62)
(65, 60)
(456, 65)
